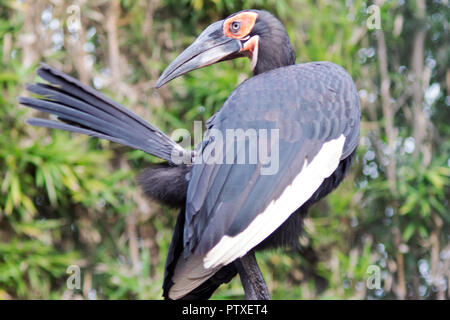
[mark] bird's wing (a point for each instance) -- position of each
(232, 207)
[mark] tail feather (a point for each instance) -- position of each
(87, 111)
(75, 116)
(74, 87)
(81, 109)
(53, 94)
(63, 126)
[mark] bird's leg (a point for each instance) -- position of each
(252, 280)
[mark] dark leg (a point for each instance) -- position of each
(252, 280)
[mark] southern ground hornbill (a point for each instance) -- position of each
(228, 210)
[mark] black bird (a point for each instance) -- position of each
(228, 210)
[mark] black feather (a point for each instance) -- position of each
(165, 183)
(85, 110)
(64, 126)
(207, 288)
(287, 235)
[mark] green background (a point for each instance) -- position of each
(67, 199)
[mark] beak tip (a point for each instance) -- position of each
(204, 51)
(159, 83)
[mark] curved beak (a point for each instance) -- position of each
(210, 47)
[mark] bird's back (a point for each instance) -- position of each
(292, 97)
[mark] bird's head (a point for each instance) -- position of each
(250, 33)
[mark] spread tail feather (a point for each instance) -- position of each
(85, 110)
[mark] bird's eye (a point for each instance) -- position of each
(235, 27)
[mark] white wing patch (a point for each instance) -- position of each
(191, 273)
(295, 195)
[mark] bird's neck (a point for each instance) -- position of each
(274, 55)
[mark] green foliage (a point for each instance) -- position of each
(68, 200)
